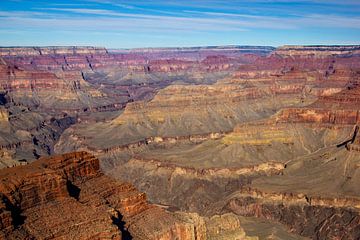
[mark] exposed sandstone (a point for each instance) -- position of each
(67, 197)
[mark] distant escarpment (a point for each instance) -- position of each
(36, 51)
(95, 79)
(43, 90)
(83, 78)
(318, 51)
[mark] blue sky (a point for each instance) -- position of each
(158, 23)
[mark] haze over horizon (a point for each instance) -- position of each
(129, 24)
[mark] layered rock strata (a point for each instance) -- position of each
(318, 51)
(67, 197)
(42, 86)
(265, 139)
(316, 195)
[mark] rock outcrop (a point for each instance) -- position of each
(66, 196)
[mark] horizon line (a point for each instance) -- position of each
(178, 47)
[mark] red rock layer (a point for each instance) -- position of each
(14, 79)
(340, 108)
(80, 58)
(326, 116)
(67, 197)
(76, 78)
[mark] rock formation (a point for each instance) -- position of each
(46, 89)
(214, 136)
(66, 196)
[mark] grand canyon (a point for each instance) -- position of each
(232, 142)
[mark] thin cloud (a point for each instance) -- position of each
(222, 20)
(297, 21)
(215, 23)
(203, 21)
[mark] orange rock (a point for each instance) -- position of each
(67, 197)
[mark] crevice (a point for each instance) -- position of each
(350, 140)
(17, 218)
(73, 190)
(120, 223)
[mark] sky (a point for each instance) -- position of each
(180, 23)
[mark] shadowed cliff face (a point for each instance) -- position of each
(220, 132)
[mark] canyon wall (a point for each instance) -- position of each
(223, 132)
(66, 196)
(44, 90)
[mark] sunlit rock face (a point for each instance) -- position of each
(260, 141)
(67, 196)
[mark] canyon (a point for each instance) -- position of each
(180, 143)
(68, 197)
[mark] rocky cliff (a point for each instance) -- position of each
(66, 196)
